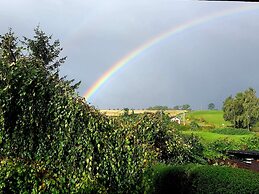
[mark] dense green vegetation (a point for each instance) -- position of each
(52, 141)
(231, 131)
(158, 107)
(242, 110)
(177, 107)
(203, 179)
(211, 106)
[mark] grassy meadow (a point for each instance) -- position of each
(213, 127)
(209, 118)
(208, 136)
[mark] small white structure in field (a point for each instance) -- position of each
(177, 120)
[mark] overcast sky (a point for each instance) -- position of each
(198, 66)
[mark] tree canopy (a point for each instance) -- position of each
(243, 109)
(211, 106)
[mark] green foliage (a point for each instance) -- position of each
(158, 107)
(204, 179)
(168, 144)
(218, 148)
(194, 125)
(208, 136)
(125, 112)
(231, 131)
(256, 127)
(242, 110)
(41, 48)
(251, 143)
(178, 127)
(167, 179)
(44, 121)
(211, 106)
(215, 145)
(9, 48)
(46, 127)
(19, 176)
(186, 107)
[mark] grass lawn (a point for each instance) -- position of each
(208, 117)
(208, 137)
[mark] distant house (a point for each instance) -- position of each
(177, 120)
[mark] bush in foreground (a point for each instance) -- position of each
(204, 179)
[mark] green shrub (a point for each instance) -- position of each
(256, 127)
(203, 179)
(180, 127)
(231, 131)
(194, 125)
(169, 145)
(251, 143)
(45, 122)
(18, 176)
(169, 179)
(218, 148)
(217, 179)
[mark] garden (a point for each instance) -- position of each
(52, 141)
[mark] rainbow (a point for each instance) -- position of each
(157, 39)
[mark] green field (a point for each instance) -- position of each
(213, 118)
(208, 137)
(115, 113)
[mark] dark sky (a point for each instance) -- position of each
(203, 64)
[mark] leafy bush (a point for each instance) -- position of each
(203, 179)
(168, 144)
(231, 131)
(167, 179)
(194, 125)
(251, 143)
(256, 127)
(18, 176)
(217, 179)
(44, 122)
(218, 148)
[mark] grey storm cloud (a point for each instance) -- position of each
(198, 66)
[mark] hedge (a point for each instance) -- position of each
(203, 179)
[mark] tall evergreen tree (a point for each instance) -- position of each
(42, 48)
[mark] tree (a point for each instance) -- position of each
(242, 110)
(211, 106)
(42, 119)
(176, 107)
(9, 47)
(158, 107)
(186, 107)
(41, 48)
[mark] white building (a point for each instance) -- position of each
(177, 120)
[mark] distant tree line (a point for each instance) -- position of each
(177, 107)
(243, 109)
(182, 107)
(158, 107)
